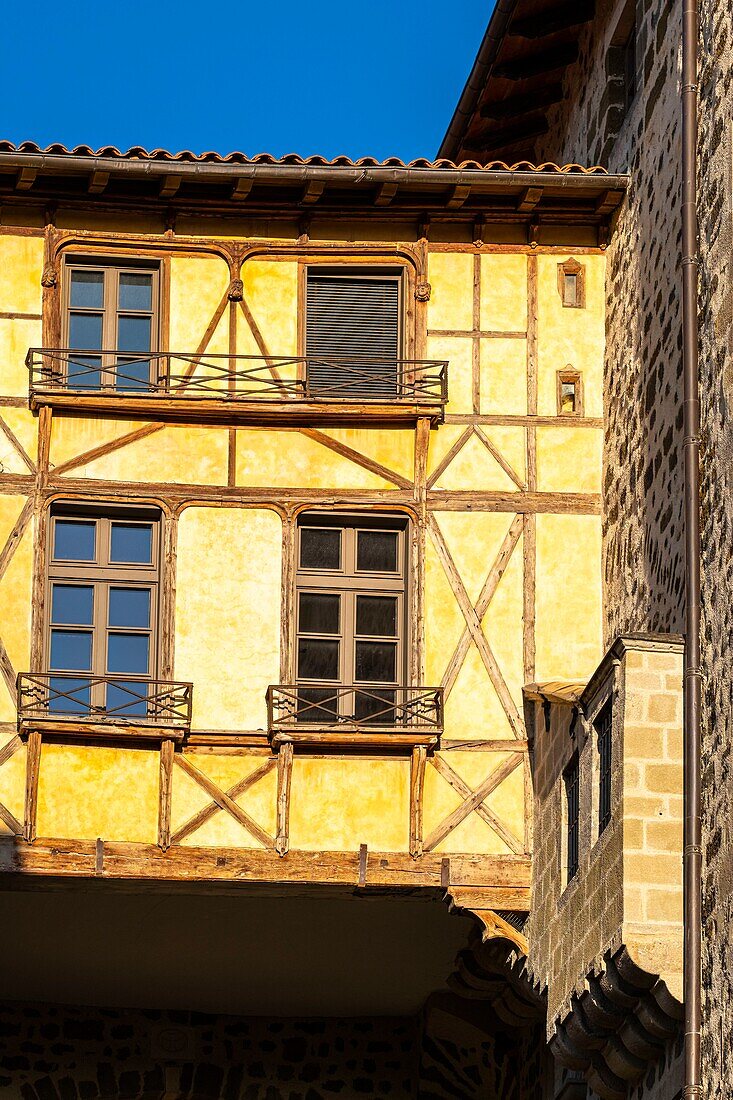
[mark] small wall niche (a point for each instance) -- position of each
(569, 392)
(571, 284)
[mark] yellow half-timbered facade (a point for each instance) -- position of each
(300, 483)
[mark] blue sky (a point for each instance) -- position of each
(379, 78)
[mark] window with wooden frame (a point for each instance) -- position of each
(569, 392)
(353, 333)
(110, 323)
(571, 784)
(571, 284)
(102, 609)
(351, 616)
(603, 727)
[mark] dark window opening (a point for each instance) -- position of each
(571, 779)
(603, 728)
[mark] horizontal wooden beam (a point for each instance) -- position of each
(517, 105)
(560, 18)
(526, 66)
(239, 867)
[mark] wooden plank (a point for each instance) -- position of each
(257, 412)
(498, 568)
(235, 791)
(477, 634)
(417, 783)
(45, 427)
(476, 343)
(10, 748)
(81, 730)
(448, 457)
(485, 746)
(458, 500)
(494, 822)
(10, 820)
(16, 534)
(496, 454)
(15, 442)
(512, 420)
(167, 625)
(7, 671)
(9, 315)
(357, 457)
(32, 771)
(472, 802)
(224, 801)
(478, 333)
(106, 448)
(165, 793)
(363, 738)
(284, 775)
(513, 899)
(231, 866)
(529, 590)
(420, 467)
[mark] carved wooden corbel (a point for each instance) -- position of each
(236, 290)
(423, 290)
(50, 277)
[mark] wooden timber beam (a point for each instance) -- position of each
(241, 190)
(530, 198)
(560, 18)
(312, 192)
(50, 858)
(25, 179)
(385, 193)
(97, 182)
(608, 202)
(458, 196)
(517, 105)
(169, 186)
(491, 138)
(536, 64)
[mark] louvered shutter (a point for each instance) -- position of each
(352, 336)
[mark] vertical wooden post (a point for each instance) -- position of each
(529, 541)
(165, 793)
(168, 596)
(476, 341)
(287, 644)
(32, 769)
(284, 775)
(417, 782)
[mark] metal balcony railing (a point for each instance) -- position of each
(327, 707)
(110, 700)
(239, 378)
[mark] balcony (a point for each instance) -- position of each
(103, 706)
(254, 389)
(347, 715)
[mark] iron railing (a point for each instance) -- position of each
(241, 378)
(347, 706)
(112, 700)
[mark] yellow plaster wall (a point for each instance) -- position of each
(12, 782)
(228, 613)
(15, 599)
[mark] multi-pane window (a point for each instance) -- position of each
(102, 611)
(603, 728)
(571, 780)
(111, 325)
(350, 616)
(353, 334)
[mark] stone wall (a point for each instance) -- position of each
(50, 1052)
(643, 554)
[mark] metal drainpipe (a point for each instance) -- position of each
(693, 675)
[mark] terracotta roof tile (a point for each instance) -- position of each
(136, 152)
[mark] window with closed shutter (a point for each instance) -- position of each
(353, 335)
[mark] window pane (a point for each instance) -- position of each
(567, 397)
(74, 540)
(571, 289)
(376, 661)
(317, 659)
(375, 706)
(129, 607)
(85, 331)
(84, 372)
(72, 603)
(136, 291)
(320, 548)
(376, 551)
(72, 650)
(376, 615)
(132, 374)
(127, 652)
(87, 289)
(133, 333)
(319, 614)
(327, 711)
(132, 542)
(69, 695)
(124, 698)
